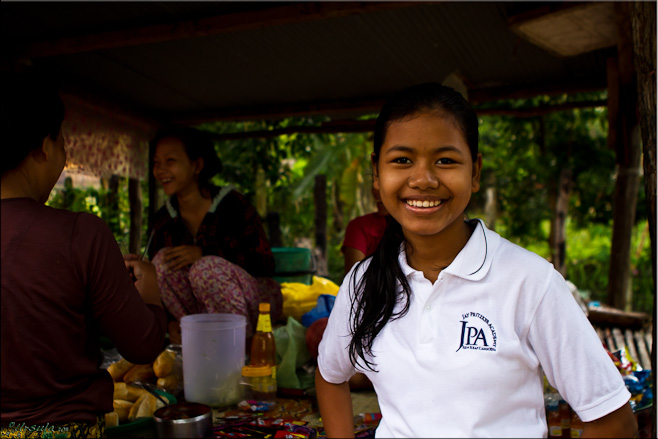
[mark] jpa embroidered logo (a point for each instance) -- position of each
(477, 333)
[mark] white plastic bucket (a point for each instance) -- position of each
(213, 356)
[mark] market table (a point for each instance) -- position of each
(296, 415)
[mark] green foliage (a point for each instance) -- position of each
(97, 202)
(588, 265)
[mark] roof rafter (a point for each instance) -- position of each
(225, 23)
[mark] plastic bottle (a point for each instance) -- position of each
(576, 425)
(259, 382)
(554, 420)
(263, 348)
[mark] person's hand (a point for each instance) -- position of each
(146, 281)
(182, 256)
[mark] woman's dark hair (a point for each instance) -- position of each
(377, 291)
(31, 111)
(198, 144)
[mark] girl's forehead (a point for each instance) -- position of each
(425, 123)
(437, 114)
(170, 145)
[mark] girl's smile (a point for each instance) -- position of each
(173, 168)
(425, 174)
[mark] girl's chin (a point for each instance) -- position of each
(168, 189)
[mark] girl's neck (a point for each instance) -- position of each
(431, 254)
(192, 200)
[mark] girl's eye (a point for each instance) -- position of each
(445, 161)
(401, 160)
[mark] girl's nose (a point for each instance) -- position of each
(424, 177)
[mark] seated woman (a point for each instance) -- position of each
(209, 248)
(64, 284)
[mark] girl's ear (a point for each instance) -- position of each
(42, 153)
(198, 165)
(477, 169)
(375, 172)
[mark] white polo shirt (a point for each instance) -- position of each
(466, 360)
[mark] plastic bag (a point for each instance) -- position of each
(322, 309)
(299, 298)
(292, 354)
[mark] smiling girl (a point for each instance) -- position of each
(453, 324)
(209, 248)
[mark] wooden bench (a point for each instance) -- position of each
(618, 329)
(637, 342)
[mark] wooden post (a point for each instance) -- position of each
(135, 201)
(624, 133)
(643, 27)
(320, 197)
(643, 22)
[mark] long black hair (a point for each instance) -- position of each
(383, 283)
(197, 144)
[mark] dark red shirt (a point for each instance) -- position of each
(64, 283)
(364, 232)
(231, 229)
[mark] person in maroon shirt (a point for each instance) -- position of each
(363, 234)
(64, 283)
(209, 247)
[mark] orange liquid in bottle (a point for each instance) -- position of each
(263, 348)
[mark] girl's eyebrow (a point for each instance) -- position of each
(437, 150)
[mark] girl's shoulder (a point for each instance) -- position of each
(514, 254)
(230, 200)
(489, 255)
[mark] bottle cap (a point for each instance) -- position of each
(264, 307)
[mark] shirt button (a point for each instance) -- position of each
(428, 307)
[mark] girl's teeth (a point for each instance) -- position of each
(417, 203)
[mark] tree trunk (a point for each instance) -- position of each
(624, 130)
(113, 208)
(260, 189)
(156, 198)
(558, 235)
(274, 229)
(135, 200)
(491, 201)
(337, 207)
(320, 197)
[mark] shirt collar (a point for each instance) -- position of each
(172, 205)
(473, 261)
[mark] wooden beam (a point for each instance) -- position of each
(274, 112)
(541, 110)
(225, 23)
(478, 96)
(372, 105)
(368, 125)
